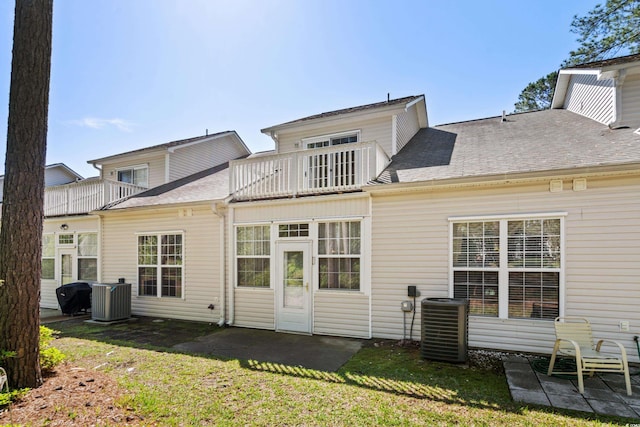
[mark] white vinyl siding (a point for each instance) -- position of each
(341, 314)
(57, 176)
(52, 227)
(190, 159)
(631, 101)
(155, 164)
(254, 308)
(377, 129)
(407, 126)
(591, 97)
(201, 254)
(602, 248)
(304, 207)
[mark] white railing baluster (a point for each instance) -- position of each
(85, 196)
(314, 171)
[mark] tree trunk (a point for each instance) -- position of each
(22, 207)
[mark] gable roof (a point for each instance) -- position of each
(75, 175)
(389, 104)
(536, 142)
(173, 145)
(604, 69)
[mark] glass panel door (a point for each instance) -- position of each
(293, 287)
(293, 279)
(66, 269)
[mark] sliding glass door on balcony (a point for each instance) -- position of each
(325, 170)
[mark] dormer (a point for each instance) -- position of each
(606, 91)
(331, 152)
(159, 164)
(389, 123)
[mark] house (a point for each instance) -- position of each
(529, 216)
(72, 239)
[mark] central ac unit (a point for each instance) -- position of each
(111, 301)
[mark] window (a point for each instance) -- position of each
(88, 256)
(137, 175)
(160, 271)
(336, 168)
(520, 258)
(66, 239)
(329, 140)
(339, 248)
(48, 256)
(253, 253)
(293, 230)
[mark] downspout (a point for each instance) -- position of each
(618, 81)
(221, 216)
(232, 267)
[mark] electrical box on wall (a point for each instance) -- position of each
(412, 291)
(406, 306)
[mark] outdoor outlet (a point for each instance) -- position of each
(624, 326)
(406, 306)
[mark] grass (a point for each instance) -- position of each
(385, 385)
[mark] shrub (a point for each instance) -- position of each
(50, 357)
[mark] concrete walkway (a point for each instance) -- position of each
(603, 394)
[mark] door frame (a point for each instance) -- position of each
(291, 319)
(73, 252)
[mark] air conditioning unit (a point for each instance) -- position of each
(445, 329)
(111, 301)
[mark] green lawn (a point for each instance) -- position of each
(384, 385)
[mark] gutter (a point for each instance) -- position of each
(630, 168)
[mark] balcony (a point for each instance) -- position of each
(334, 169)
(85, 196)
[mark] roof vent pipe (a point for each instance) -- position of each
(504, 116)
(206, 132)
(388, 96)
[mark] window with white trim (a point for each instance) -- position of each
(253, 256)
(334, 139)
(160, 265)
(339, 251)
(88, 256)
(138, 175)
(517, 257)
(48, 257)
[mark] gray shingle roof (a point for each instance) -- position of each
(208, 185)
(166, 145)
(391, 102)
(529, 142)
(609, 62)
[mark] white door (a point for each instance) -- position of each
(293, 288)
(68, 266)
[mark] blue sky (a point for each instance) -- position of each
(129, 74)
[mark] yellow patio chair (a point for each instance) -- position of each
(575, 339)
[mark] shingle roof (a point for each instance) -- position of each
(166, 145)
(609, 62)
(391, 102)
(528, 142)
(210, 184)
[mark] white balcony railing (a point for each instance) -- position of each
(85, 196)
(333, 169)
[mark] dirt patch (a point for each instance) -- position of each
(73, 396)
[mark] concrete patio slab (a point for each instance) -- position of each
(313, 352)
(604, 394)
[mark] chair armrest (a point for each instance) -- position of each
(623, 351)
(576, 346)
